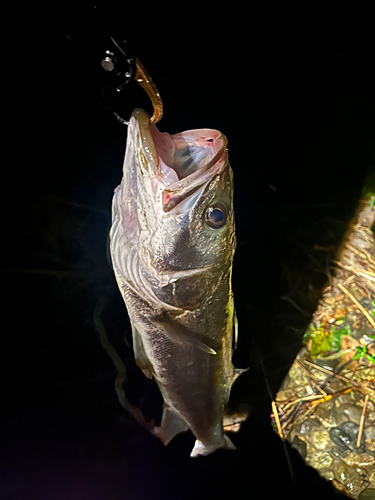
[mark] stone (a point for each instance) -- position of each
(356, 292)
(339, 313)
(300, 446)
(349, 477)
(370, 445)
(367, 494)
(313, 421)
(345, 437)
(352, 412)
(371, 478)
(327, 475)
(366, 374)
(336, 452)
(328, 364)
(363, 460)
(328, 419)
(370, 433)
(298, 376)
(320, 439)
(325, 407)
(364, 330)
(329, 300)
(325, 415)
(366, 303)
(344, 398)
(337, 385)
(319, 459)
(363, 474)
(284, 395)
(305, 427)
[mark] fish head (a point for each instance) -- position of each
(177, 210)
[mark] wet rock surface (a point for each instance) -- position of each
(335, 449)
(326, 404)
(346, 435)
(368, 494)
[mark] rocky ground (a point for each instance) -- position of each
(326, 405)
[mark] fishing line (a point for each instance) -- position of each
(111, 110)
(270, 395)
(120, 367)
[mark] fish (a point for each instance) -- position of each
(172, 243)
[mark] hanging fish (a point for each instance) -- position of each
(172, 243)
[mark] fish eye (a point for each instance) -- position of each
(216, 216)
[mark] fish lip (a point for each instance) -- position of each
(174, 193)
(141, 120)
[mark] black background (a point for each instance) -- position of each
(291, 85)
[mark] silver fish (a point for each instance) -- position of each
(172, 243)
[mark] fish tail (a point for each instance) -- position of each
(206, 449)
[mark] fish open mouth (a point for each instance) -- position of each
(181, 155)
(183, 162)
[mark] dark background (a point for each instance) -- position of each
(292, 86)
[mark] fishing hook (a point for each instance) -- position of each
(111, 65)
(110, 58)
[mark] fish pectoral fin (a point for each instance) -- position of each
(184, 335)
(203, 346)
(171, 425)
(141, 358)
